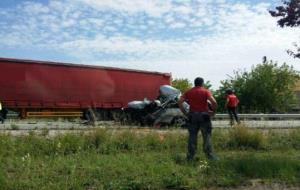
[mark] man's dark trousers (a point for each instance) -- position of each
(233, 113)
(1, 117)
(199, 121)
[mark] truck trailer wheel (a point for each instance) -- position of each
(90, 116)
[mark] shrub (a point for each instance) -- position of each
(45, 132)
(14, 127)
(126, 141)
(69, 144)
(243, 138)
(295, 139)
(175, 142)
(96, 139)
(153, 141)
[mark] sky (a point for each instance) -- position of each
(188, 38)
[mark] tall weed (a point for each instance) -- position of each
(69, 144)
(97, 139)
(242, 137)
(265, 167)
(126, 141)
(294, 139)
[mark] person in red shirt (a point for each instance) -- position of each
(199, 117)
(231, 104)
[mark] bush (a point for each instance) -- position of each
(14, 127)
(242, 137)
(69, 144)
(126, 141)
(174, 142)
(153, 141)
(97, 139)
(295, 139)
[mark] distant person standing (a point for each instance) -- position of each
(231, 104)
(1, 113)
(199, 118)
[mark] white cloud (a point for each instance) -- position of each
(142, 34)
(183, 9)
(154, 7)
(34, 8)
(177, 25)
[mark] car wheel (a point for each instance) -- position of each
(178, 121)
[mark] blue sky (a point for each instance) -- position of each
(189, 38)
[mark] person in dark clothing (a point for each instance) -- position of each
(1, 113)
(231, 104)
(199, 117)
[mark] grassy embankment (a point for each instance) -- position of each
(102, 160)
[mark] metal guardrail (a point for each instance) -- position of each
(225, 116)
(261, 116)
(265, 121)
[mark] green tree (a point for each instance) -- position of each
(181, 84)
(184, 84)
(266, 88)
(207, 84)
(289, 16)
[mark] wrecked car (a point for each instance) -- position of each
(163, 111)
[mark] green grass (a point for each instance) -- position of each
(129, 160)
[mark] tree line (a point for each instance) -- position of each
(267, 88)
(289, 16)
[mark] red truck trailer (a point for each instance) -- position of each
(40, 88)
